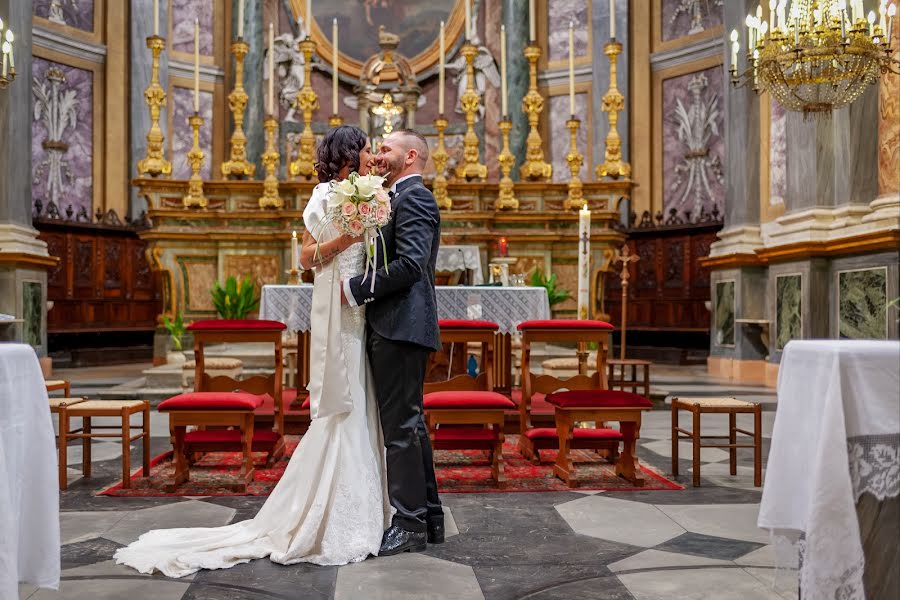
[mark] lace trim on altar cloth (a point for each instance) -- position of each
(875, 465)
(813, 584)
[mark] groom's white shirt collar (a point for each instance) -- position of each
(346, 283)
(404, 178)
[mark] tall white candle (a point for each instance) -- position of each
(240, 18)
(532, 23)
(612, 19)
(334, 67)
(271, 72)
(442, 50)
(196, 66)
(468, 19)
(309, 17)
(571, 68)
(584, 261)
(293, 251)
(155, 17)
(503, 85)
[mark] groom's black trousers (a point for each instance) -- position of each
(398, 369)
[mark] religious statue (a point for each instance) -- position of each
(698, 167)
(289, 68)
(485, 72)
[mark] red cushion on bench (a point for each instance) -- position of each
(465, 434)
(470, 399)
(229, 436)
(211, 401)
(232, 324)
(580, 433)
(290, 394)
(467, 324)
(598, 399)
(564, 324)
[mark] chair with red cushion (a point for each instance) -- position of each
(222, 408)
(580, 398)
(464, 413)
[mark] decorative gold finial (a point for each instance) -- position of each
(155, 163)
(270, 159)
(471, 168)
(440, 158)
(308, 102)
(507, 198)
(238, 165)
(574, 159)
(195, 197)
(613, 103)
(534, 166)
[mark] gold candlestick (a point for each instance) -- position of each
(335, 121)
(534, 166)
(575, 159)
(237, 165)
(440, 158)
(270, 159)
(471, 167)
(155, 163)
(507, 198)
(195, 197)
(308, 102)
(613, 103)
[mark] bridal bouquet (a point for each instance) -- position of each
(359, 206)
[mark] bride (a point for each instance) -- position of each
(331, 505)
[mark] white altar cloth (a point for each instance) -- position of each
(460, 258)
(506, 306)
(29, 484)
(836, 436)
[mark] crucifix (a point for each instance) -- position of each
(625, 257)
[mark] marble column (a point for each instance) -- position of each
(23, 258)
(515, 17)
(253, 79)
(600, 63)
(141, 62)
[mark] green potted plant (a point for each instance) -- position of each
(235, 301)
(175, 327)
(555, 294)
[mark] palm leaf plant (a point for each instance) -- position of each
(235, 301)
(175, 327)
(555, 294)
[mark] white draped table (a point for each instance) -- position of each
(506, 306)
(461, 258)
(836, 437)
(29, 483)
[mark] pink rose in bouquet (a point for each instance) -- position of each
(382, 197)
(382, 215)
(348, 209)
(364, 208)
(356, 227)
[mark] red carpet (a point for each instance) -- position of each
(457, 471)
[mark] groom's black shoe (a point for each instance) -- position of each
(397, 540)
(435, 529)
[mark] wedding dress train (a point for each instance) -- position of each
(330, 506)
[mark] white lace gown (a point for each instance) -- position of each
(331, 505)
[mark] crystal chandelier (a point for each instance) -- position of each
(8, 72)
(818, 56)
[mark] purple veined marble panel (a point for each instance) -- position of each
(182, 136)
(62, 143)
(693, 143)
(687, 17)
(777, 153)
(74, 13)
(559, 136)
(183, 14)
(561, 13)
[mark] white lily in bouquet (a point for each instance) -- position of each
(360, 206)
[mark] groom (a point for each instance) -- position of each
(402, 331)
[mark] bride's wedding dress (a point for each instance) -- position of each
(331, 505)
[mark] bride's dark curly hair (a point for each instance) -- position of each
(339, 148)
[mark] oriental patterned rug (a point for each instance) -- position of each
(458, 471)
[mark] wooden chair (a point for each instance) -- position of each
(464, 412)
(89, 409)
(731, 407)
(59, 406)
(577, 399)
(54, 385)
(622, 381)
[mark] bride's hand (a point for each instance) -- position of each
(347, 240)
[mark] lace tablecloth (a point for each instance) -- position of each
(836, 437)
(29, 484)
(461, 258)
(506, 306)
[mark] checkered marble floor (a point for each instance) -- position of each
(696, 543)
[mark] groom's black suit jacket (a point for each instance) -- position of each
(403, 306)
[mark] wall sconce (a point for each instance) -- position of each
(8, 73)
